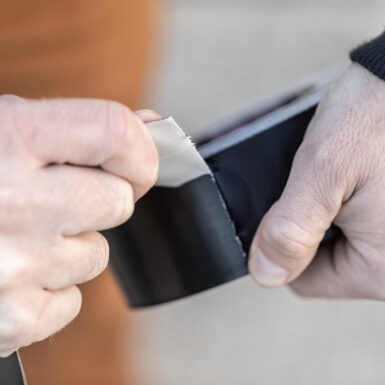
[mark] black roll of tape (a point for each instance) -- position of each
(186, 239)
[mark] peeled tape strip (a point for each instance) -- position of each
(180, 162)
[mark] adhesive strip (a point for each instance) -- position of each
(180, 162)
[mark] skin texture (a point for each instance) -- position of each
(78, 166)
(337, 176)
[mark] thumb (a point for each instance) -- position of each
(290, 233)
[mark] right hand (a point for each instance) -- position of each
(53, 200)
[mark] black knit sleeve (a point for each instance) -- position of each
(371, 55)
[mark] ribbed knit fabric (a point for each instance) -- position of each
(371, 55)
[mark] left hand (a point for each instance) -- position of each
(338, 175)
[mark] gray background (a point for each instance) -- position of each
(217, 56)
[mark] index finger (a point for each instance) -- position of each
(87, 132)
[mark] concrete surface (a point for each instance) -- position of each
(219, 56)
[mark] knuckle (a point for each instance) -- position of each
(321, 160)
(15, 268)
(12, 117)
(6, 103)
(10, 200)
(10, 99)
(320, 151)
(19, 122)
(286, 236)
(21, 205)
(125, 129)
(15, 203)
(119, 121)
(331, 165)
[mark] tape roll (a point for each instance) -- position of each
(193, 230)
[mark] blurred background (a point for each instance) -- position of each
(199, 60)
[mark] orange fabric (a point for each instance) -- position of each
(79, 48)
(96, 48)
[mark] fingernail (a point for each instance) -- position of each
(265, 272)
(147, 115)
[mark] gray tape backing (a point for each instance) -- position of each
(180, 162)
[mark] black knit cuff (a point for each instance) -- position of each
(371, 55)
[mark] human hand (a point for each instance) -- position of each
(338, 175)
(53, 200)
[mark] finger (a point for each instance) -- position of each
(31, 315)
(86, 132)
(61, 307)
(74, 260)
(7, 353)
(76, 199)
(147, 116)
(10, 97)
(289, 234)
(352, 267)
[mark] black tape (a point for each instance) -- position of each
(10, 371)
(252, 174)
(184, 240)
(180, 241)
